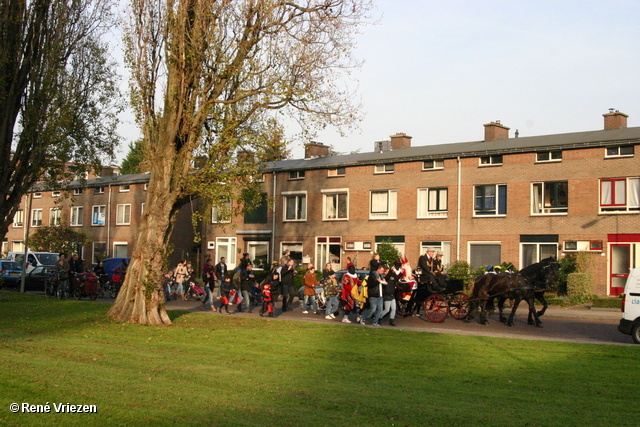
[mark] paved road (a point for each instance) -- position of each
(577, 324)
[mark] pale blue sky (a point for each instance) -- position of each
(439, 70)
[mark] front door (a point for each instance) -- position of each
(619, 269)
(328, 249)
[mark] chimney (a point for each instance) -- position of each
(400, 140)
(495, 130)
(315, 149)
(614, 119)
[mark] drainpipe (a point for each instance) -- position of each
(458, 216)
(109, 223)
(273, 221)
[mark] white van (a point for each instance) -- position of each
(630, 322)
(34, 259)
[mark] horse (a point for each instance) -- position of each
(524, 285)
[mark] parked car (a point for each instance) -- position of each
(36, 278)
(34, 259)
(630, 322)
(110, 264)
(11, 272)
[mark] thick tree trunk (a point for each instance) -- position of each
(141, 298)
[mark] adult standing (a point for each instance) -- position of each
(286, 256)
(331, 292)
(287, 274)
(374, 263)
(310, 282)
(180, 274)
(208, 276)
(247, 282)
(328, 271)
(63, 269)
(374, 288)
(220, 272)
(349, 280)
(123, 269)
(389, 292)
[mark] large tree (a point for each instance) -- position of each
(58, 94)
(213, 79)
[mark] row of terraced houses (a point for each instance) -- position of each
(503, 198)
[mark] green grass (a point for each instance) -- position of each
(228, 371)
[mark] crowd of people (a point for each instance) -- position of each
(360, 301)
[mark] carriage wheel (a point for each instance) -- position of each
(436, 308)
(459, 305)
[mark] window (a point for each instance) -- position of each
(384, 204)
(146, 186)
(432, 203)
(37, 195)
(496, 159)
(625, 151)
(620, 195)
(99, 251)
(295, 207)
(337, 172)
(258, 253)
(484, 253)
(336, 205)
(490, 200)
(36, 217)
(76, 216)
(550, 197)
(432, 164)
(98, 190)
(142, 209)
(18, 218)
(55, 216)
(98, 215)
(55, 194)
(259, 214)
(536, 252)
(123, 214)
(444, 247)
(295, 249)
(549, 156)
(221, 214)
(296, 175)
(386, 168)
(77, 191)
(583, 245)
(125, 188)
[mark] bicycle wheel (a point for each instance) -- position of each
(59, 292)
(77, 294)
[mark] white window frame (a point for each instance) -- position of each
(491, 160)
(329, 194)
(295, 175)
(549, 154)
(298, 195)
(142, 209)
(36, 217)
(77, 191)
(18, 219)
(101, 210)
(619, 149)
(430, 208)
(538, 206)
(125, 188)
(538, 257)
(497, 201)
(432, 164)
(123, 214)
(215, 212)
(55, 193)
(55, 216)
(391, 211)
(98, 190)
(384, 168)
(251, 246)
(631, 202)
(76, 218)
(120, 244)
(37, 195)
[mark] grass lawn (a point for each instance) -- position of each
(220, 370)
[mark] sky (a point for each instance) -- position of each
(439, 70)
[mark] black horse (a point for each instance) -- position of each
(527, 284)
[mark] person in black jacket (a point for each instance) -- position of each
(286, 282)
(374, 288)
(247, 282)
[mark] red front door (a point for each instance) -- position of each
(619, 269)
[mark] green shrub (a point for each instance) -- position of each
(388, 252)
(607, 302)
(579, 287)
(568, 265)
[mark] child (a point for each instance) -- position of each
(267, 299)
(167, 285)
(331, 292)
(225, 287)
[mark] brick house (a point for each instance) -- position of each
(498, 199)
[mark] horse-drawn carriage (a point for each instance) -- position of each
(438, 295)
